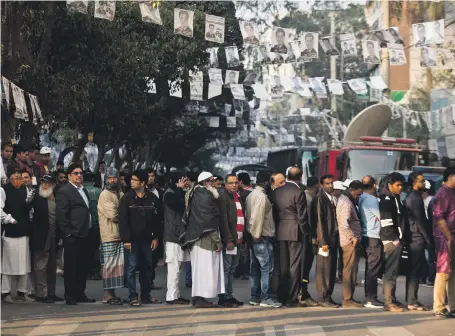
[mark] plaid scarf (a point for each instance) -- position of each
(240, 216)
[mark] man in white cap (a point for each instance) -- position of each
(203, 239)
(45, 156)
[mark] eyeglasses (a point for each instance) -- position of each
(135, 180)
(76, 173)
(232, 183)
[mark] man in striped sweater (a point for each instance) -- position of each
(231, 230)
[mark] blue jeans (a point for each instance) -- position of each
(230, 263)
(140, 258)
(261, 255)
(188, 279)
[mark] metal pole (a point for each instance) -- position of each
(333, 69)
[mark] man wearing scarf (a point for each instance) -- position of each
(112, 252)
(15, 239)
(203, 237)
(44, 242)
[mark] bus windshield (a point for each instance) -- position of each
(363, 162)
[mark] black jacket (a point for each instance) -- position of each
(73, 214)
(174, 208)
(15, 206)
(228, 218)
(291, 212)
(40, 225)
(394, 221)
(140, 218)
(418, 221)
(323, 215)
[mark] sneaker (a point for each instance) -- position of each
(394, 308)
(309, 302)
(226, 303)
(270, 303)
(418, 306)
(7, 299)
(237, 302)
(254, 302)
(352, 304)
(375, 304)
(444, 314)
(24, 298)
(329, 304)
(201, 303)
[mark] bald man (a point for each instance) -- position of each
(278, 180)
(293, 234)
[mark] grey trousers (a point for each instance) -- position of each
(45, 266)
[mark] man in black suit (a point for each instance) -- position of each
(100, 175)
(73, 216)
(293, 233)
(325, 231)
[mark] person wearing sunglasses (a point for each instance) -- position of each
(74, 217)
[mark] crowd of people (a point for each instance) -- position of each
(116, 225)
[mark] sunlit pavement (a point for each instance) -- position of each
(99, 319)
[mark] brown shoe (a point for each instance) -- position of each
(351, 304)
(393, 308)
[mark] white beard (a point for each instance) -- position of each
(214, 192)
(45, 193)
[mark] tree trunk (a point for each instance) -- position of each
(79, 151)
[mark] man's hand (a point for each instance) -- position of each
(230, 246)
(314, 241)
(219, 249)
(354, 241)
(396, 243)
(154, 244)
(127, 246)
(325, 248)
(257, 240)
(182, 183)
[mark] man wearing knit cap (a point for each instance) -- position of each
(112, 251)
(203, 239)
(261, 227)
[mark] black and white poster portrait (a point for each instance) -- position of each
(213, 122)
(215, 76)
(77, 6)
(378, 35)
(183, 22)
(231, 122)
(214, 28)
(348, 45)
(277, 58)
(105, 9)
(279, 40)
(264, 55)
(175, 88)
(309, 45)
(370, 51)
(297, 84)
(251, 78)
(150, 14)
(213, 60)
(421, 34)
(250, 32)
(19, 102)
(318, 87)
(237, 91)
(214, 90)
(195, 75)
(37, 108)
(151, 86)
(396, 54)
(437, 31)
(196, 90)
(328, 45)
(232, 77)
(427, 57)
(232, 57)
(392, 35)
(6, 88)
(358, 85)
(335, 87)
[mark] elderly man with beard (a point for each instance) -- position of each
(112, 252)
(203, 238)
(44, 242)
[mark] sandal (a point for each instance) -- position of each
(418, 307)
(134, 303)
(151, 300)
(113, 302)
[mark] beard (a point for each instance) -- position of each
(213, 190)
(45, 193)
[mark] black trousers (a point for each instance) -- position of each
(416, 257)
(373, 266)
(326, 268)
(76, 259)
(94, 238)
(392, 256)
(290, 269)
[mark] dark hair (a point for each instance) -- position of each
(102, 162)
(88, 177)
(412, 178)
(328, 176)
(280, 30)
(141, 175)
(449, 171)
(227, 176)
(122, 174)
(6, 144)
(263, 177)
(33, 148)
(61, 163)
(72, 167)
(60, 171)
(182, 12)
(13, 169)
(356, 184)
(192, 176)
(244, 178)
(295, 176)
(174, 177)
(17, 149)
(151, 170)
(312, 181)
(395, 177)
(26, 172)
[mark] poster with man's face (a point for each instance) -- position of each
(249, 32)
(213, 60)
(232, 57)
(328, 45)
(309, 45)
(151, 86)
(105, 9)
(237, 91)
(397, 55)
(214, 28)
(215, 76)
(77, 6)
(19, 102)
(196, 90)
(232, 77)
(279, 40)
(437, 31)
(348, 45)
(183, 22)
(421, 34)
(150, 14)
(427, 57)
(264, 55)
(371, 51)
(392, 35)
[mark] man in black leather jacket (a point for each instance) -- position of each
(420, 237)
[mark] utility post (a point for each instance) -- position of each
(333, 70)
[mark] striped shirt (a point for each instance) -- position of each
(240, 216)
(348, 222)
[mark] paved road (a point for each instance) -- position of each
(98, 319)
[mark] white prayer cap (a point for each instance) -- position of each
(45, 150)
(427, 185)
(338, 185)
(347, 182)
(204, 176)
